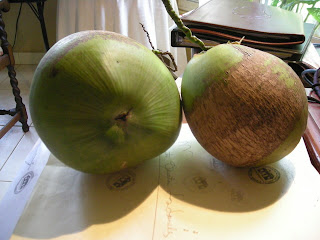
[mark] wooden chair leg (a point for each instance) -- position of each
(20, 107)
(19, 113)
(10, 124)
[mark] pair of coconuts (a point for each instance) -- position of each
(102, 102)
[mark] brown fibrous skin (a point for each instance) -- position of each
(251, 113)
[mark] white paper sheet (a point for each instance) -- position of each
(183, 194)
(16, 197)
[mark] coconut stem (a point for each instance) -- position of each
(182, 27)
(123, 116)
(161, 55)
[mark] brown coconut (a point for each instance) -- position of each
(244, 106)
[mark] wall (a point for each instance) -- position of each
(29, 36)
(29, 46)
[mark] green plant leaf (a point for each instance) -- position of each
(309, 2)
(290, 4)
(315, 12)
(286, 3)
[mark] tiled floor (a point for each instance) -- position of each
(16, 144)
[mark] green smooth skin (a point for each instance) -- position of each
(213, 69)
(84, 83)
(284, 76)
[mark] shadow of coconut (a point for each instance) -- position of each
(194, 176)
(66, 201)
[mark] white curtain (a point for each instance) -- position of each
(121, 16)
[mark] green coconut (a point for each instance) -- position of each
(102, 102)
(245, 107)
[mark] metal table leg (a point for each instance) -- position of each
(39, 14)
